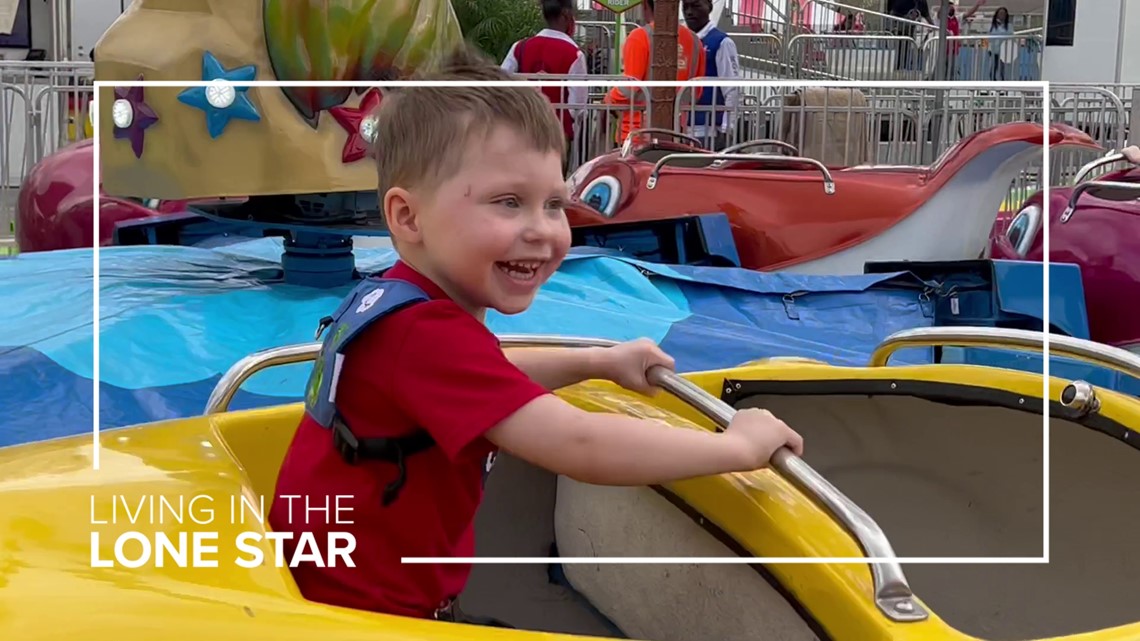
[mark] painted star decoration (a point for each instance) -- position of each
(360, 123)
(132, 116)
(220, 100)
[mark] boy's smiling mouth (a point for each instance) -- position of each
(522, 270)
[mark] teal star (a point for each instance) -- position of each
(217, 117)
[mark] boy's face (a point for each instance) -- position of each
(492, 233)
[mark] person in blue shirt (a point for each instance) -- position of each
(711, 123)
(1001, 44)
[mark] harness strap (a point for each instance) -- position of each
(371, 300)
(393, 449)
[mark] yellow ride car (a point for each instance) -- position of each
(933, 460)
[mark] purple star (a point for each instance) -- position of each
(131, 116)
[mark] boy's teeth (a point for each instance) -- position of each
(520, 269)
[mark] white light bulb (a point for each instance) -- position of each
(220, 94)
(122, 113)
(368, 129)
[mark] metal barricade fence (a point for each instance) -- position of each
(761, 55)
(853, 57)
(1107, 113)
(896, 49)
(987, 58)
(598, 122)
(868, 56)
(863, 126)
(43, 106)
(858, 125)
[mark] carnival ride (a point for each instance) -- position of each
(265, 165)
(56, 204)
(779, 211)
(661, 197)
(762, 212)
(1096, 225)
(867, 455)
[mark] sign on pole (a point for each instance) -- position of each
(618, 6)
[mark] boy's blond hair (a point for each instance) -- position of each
(422, 133)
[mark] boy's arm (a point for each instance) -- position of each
(449, 375)
(510, 62)
(612, 449)
(969, 15)
(554, 367)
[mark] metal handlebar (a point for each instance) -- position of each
(828, 181)
(1087, 168)
(241, 371)
(764, 142)
(893, 594)
(1002, 338)
(627, 146)
(1083, 187)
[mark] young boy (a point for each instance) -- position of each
(473, 194)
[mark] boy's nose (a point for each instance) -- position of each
(542, 228)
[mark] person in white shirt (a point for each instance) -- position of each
(723, 62)
(554, 51)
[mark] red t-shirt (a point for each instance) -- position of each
(433, 366)
(544, 54)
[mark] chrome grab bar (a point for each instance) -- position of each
(893, 594)
(828, 181)
(1083, 187)
(763, 142)
(627, 145)
(241, 371)
(1107, 159)
(1002, 338)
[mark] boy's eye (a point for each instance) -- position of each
(510, 201)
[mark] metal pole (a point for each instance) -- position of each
(663, 66)
(940, 61)
(53, 9)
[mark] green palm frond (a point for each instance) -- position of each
(493, 26)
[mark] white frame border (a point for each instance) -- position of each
(1043, 86)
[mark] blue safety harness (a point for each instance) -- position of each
(371, 300)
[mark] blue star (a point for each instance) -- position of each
(218, 117)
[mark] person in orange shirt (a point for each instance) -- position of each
(636, 54)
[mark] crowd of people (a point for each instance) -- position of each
(999, 51)
(703, 50)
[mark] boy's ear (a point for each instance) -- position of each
(400, 215)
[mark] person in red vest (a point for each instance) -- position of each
(553, 51)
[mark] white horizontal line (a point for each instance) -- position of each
(722, 560)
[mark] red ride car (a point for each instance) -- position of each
(1094, 224)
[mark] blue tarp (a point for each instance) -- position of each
(173, 319)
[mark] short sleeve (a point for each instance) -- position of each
(453, 379)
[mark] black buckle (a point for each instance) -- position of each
(322, 326)
(393, 450)
(445, 611)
